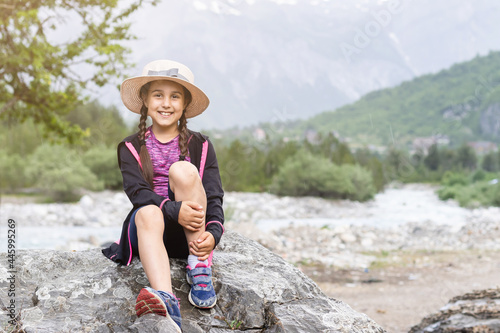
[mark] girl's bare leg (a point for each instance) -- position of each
(185, 182)
(154, 257)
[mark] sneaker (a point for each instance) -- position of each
(160, 303)
(202, 293)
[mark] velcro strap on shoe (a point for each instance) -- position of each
(200, 271)
(201, 281)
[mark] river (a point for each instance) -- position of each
(97, 218)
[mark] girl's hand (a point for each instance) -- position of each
(202, 246)
(191, 216)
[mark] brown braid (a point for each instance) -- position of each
(147, 165)
(183, 131)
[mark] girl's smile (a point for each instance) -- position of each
(165, 102)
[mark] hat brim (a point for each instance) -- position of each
(130, 94)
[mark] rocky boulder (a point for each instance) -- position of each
(478, 311)
(257, 291)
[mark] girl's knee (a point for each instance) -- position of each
(149, 216)
(183, 173)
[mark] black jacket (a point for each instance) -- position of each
(140, 193)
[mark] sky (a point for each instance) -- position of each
(273, 60)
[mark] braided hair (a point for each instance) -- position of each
(147, 165)
(183, 131)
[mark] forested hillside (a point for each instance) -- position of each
(462, 102)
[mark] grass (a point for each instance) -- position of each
(22, 198)
(232, 324)
(416, 258)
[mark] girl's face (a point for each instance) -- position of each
(165, 102)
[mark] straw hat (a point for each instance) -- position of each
(164, 70)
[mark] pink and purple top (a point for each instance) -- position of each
(163, 155)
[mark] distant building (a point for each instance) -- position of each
(424, 143)
(259, 134)
(311, 136)
(483, 147)
(377, 149)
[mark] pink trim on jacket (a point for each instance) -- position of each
(130, 147)
(163, 202)
(204, 153)
(129, 245)
(223, 230)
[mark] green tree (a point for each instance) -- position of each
(103, 163)
(277, 154)
(431, 161)
(241, 167)
(368, 160)
(397, 165)
(306, 174)
(343, 155)
(60, 173)
(327, 144)
(21, 139)
(43, 78)
(466, 157)
(417, 159)
(362, 180)
(104, 124)
(490, 162)
(448, 159)
(12, 171)
(377, 169)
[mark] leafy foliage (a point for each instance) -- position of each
(241, 167)
(254, 167)
(373, 163)
(431, 161)
(24, 165)
(479, 188)
(490, 162)
(60, 173)
(43, 78)
(482, 193)
(104, 124)
(466, 157)
(12, 171)
(305, 174)
(454, 178)
(21, 139)
(102, 161)
(398, 165)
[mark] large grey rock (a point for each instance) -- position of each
(478, 311)
(84, 291)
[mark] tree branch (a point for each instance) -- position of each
(7, 105)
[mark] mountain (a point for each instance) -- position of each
(278, 60)
(461, 103)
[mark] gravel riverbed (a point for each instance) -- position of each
(338, 233)
(397, 258)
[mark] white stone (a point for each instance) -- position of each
(347, 237)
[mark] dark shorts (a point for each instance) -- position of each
(174, 237)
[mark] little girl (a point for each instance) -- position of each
(171, 176)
